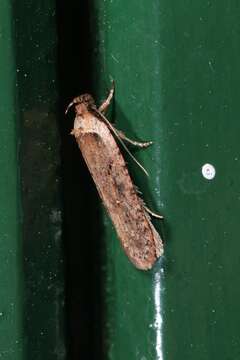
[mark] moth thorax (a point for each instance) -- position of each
(87, 99)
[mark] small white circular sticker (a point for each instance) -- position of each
(208, 171)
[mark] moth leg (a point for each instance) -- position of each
(152, 213)
(133, 142)
(103, 108)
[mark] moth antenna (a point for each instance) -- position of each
(69, 106)
(120, 140)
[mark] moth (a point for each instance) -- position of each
(95, 136)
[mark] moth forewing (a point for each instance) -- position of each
(106, 164)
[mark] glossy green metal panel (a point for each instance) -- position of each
(177, 75)
(31, 250)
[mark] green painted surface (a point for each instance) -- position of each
(31, 270)
(11, 340)
(177, 75)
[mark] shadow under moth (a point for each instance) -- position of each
(95, 136)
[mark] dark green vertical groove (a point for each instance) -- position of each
(176, 68)
(31, 277)
(82, 217)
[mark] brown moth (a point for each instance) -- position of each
(94, 135)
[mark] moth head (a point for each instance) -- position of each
(86, 100)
